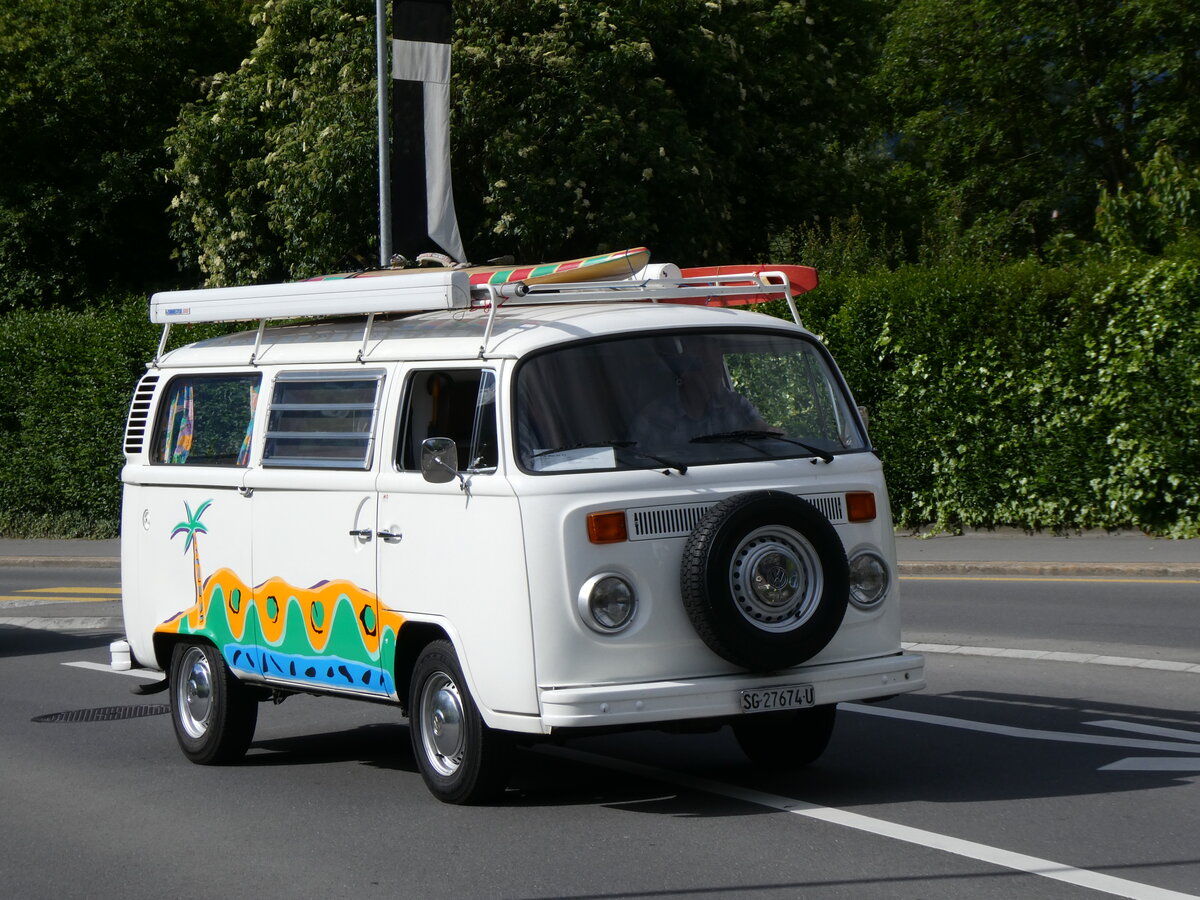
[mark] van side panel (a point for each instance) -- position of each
(461, 561)
(182, 547)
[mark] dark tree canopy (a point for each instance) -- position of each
(1012, 114)
(88, 91)
(693, 127)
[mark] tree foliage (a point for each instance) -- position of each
(275, 168)
(1006, 116)
(694, 127)
(87, 93)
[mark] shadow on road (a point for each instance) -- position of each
(18, 641)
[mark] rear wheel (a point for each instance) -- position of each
(461, 759)
(214, 714)
(786, 740)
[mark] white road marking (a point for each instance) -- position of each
(1178, 733)
(1097, 881)
(1064, 737)
(1154, 764)
(1096, 659)
(1085, 878)
(101, 667)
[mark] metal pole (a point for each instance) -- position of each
(385, 174)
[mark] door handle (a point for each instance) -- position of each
(390, 535)
(361, 533)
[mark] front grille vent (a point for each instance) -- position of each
(139, 415)
(652, 523)
(832, 506)
(666, 521)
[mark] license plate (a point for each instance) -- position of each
(788, 696)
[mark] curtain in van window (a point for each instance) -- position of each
(244, 453)
(177, 443)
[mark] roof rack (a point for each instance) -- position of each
(450, 290)
(716, 290)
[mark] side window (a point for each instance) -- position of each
(454, 403)
(206, 420)
(323, 420)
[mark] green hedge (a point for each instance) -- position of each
(1028, 395)
(1022, 395)
(64, 393)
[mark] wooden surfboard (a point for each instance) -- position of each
(606, 266)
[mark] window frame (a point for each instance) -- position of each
(318, 378)
(404, 447)
(164, 405)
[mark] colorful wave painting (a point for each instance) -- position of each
(331, 635)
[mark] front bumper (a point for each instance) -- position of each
(701, 698)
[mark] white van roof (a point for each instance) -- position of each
(511, 331)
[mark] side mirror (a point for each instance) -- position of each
(439, 458)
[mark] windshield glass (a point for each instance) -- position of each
(684, 399)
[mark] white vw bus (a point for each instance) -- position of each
(513, 511)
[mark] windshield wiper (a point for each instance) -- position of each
(617, 445)
(721, 436)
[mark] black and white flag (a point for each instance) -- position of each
(422, 193)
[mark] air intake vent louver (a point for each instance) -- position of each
(832, 506)
(651, 523)
(139, 415)
(666, 521)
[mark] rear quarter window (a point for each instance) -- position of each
(206, 420)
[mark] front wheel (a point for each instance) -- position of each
(785, 740)
(214, 714)
(461, 759)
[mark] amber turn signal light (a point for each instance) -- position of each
(607, 527)
(860, 506)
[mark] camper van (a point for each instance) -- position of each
(515, 507)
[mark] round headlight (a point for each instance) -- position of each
(607, 603)
(869, 579)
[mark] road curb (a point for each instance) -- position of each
(914, 569)
(66, 562)
(66, 623)
(911, 568)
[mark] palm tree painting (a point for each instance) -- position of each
(192, 527)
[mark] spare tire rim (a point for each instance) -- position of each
(775, 577)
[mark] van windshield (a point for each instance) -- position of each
(683, 399)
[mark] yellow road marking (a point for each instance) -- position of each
(41, 596)
(38, 601)
(1062, 578)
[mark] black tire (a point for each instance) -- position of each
(785, 740)
(460, 758)
(764, 580)
(214, 714)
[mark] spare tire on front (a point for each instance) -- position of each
(764, 580)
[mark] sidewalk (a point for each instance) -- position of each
(1011, 554)
(1003, 552)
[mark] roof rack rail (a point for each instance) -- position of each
(452, 290)
(736, 289)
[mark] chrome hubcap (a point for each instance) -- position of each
(442, 731)
(775, 578)
(194, 693)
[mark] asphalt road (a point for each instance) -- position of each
(1007, 777)
(1151, 618)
